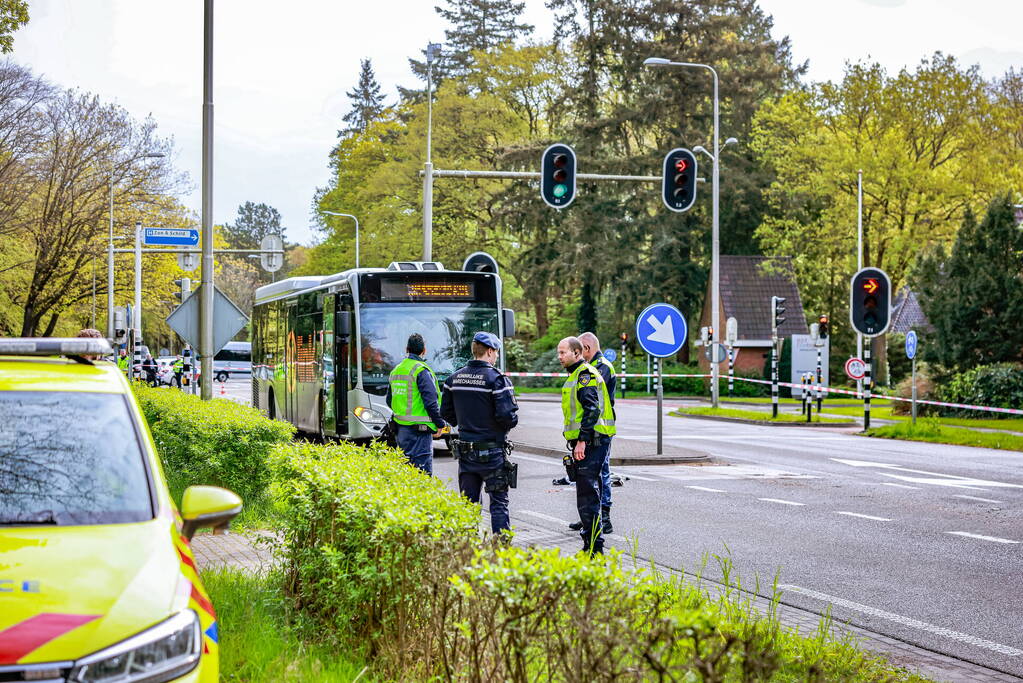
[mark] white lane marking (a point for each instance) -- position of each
(630, 475)
(547, 517)
(706, 488)
(900, 486)
(906, 621)
(994, 539)
(546, 461)
(936, 478)
(983, 500)
(779, 500)
(856, 514)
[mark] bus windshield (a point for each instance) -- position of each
(447, 328)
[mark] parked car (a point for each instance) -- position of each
(234, 359)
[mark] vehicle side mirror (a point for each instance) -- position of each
(508, 322)
(208, 506)
(343, 325)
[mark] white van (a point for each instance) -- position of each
(234, 359)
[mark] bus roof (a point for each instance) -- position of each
(295, 285)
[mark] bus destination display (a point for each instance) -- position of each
(406, 289)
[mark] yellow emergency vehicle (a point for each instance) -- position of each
(97, 579)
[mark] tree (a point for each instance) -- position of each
(254, 222)
(973, 295)
(13, 15)
(367, 102)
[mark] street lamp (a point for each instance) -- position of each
(348, 215)
(432, 52)
(715, 233)
(110, 248)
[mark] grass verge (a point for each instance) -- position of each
(930, 430)
(257, 642)
(885, 413)
(754, 415)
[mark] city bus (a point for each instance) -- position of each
(324, 346)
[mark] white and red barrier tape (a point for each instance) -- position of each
(808, 387)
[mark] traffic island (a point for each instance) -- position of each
(759, 418)
(549, 442)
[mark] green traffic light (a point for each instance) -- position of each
(560, 191)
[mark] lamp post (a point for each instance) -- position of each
(348, 215)
(110, 248)
(715, 233)
(432, 52)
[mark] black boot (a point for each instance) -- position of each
(605, 520)
(576, 526)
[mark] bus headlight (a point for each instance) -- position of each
(369, 416)
(166, 651)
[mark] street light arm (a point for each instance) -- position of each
(348, 215)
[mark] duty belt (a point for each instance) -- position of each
(473, 450)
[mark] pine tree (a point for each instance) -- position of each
(254, 222)
(475, 25)
(973, 296)
(367, 102)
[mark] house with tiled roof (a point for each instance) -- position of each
(747, 285)
(907, 314)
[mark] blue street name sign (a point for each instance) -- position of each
(911, 344)
(661, 330)
(610, 354)
(170, 237)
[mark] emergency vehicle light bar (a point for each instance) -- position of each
(55, 346)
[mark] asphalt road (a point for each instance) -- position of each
(916, 541)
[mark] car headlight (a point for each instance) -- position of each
(369, 416)
(168, 650)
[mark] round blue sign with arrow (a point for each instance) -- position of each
(610, 354)
(661, 330)
(911, 344)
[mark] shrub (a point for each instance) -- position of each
(360, 526)
(925, 390)
(216, 442)
(998, 386)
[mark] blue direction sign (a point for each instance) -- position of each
(661, 330)
(910, 344)
(170, 237)
(610, 354)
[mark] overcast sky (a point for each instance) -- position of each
(281, 69)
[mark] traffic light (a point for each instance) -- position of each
(678, 184)
(822, 326)
(557, 175)
(777, 309)
(186, 288)
(624, 336)
(871, 302)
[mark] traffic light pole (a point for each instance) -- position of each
(820, 382)
(866, 384)
(624, 371)
(774, 376)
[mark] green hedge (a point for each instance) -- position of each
(218, 442)
(998, 386)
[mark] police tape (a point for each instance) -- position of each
(889, 397)
(620, 374)
(807, 387)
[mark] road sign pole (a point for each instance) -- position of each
(624, 371)
(648, 373)
(866, 383)
(913, 380)
(820, 382)
(731, 370)
(660, 407)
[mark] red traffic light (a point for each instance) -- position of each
(681, 165)
(560, 160)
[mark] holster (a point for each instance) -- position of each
(571, 466)
(503, 478)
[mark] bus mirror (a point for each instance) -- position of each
(343, 325)
(509, 322)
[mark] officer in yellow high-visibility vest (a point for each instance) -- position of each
(412, 395)
(588, 427)
(593, 355)
(123, 362)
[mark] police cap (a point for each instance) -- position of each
(488, 339)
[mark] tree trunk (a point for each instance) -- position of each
(881, 364)
(542, 321)
(52, 325)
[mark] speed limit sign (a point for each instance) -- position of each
(855, 368)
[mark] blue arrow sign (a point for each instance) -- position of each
(911, 344)
(170, 237)
(661, 330)
(610, 354)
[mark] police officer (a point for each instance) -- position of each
(588, 427)
(593, 355)
(412, 396)
(179, 369)
(122, 361)
(481, 401)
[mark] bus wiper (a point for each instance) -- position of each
(43, 517)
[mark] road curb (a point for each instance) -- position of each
(697, 457)
(741, 420)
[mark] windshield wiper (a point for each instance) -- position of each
(43, 517)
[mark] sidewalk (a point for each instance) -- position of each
(549, 441)
(246, 552)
